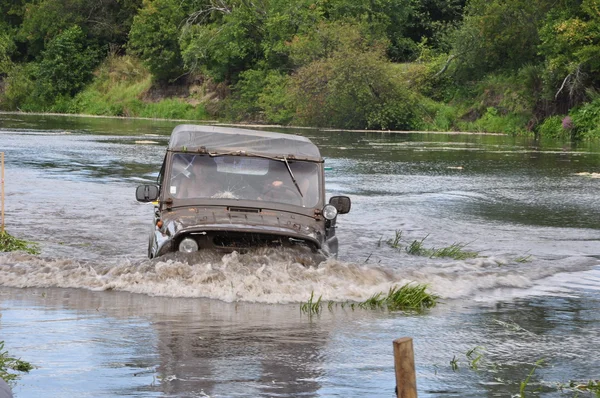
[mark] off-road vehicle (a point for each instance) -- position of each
(229, 189)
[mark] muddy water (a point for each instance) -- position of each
(98, 319)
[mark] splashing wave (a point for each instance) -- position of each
(267, 276)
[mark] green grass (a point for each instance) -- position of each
(8, 364)
(9, 243)
(523, 259)
(591, 386)
(393, 243)
(418, 248)
(410, 297)
(455, 251)
(120, 88)
(311, 306)
(525, 383)
(475, 357)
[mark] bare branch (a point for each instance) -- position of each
(562, 85)
(199, 16)
(446, 65)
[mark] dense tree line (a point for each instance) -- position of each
(496, 65)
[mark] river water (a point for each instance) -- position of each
(97, 319)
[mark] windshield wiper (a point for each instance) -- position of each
(292, 175)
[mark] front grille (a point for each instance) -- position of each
(247, 240)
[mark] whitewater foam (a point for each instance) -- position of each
(272, 275)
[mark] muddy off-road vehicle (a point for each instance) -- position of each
(231, 189)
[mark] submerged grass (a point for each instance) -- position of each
(8, 363)
(418, 248)
(312, 307)
(455, 250)
(410, 297)
(591, 386)
(525, 382)
(9, 243)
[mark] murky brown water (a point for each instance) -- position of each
(98, 319)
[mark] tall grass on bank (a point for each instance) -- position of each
(9, 243)
(410, 297)
(8, 364)
(120, 88)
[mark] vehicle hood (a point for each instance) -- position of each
(189, 219)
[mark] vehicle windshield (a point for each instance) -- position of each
(247, 178)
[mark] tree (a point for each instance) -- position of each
(154, 36)
(104, 22)
(569, 41)
(499, 35)
(66, 65)
(353, 86)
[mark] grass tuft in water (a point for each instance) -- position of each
(591, 386)
(393, 243)
(455, 250)
(311, 307)
(410, 297)
(525, 382)
(418, 248)
(454, 363)
(9, 243)
(8, 363)
(475, 357)
(523, 259)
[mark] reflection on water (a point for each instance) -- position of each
(102, 320)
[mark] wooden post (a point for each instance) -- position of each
(2, 185)
(404, 363)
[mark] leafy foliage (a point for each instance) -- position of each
(484, 65)
(9, 243)
(8, 363)
(66, 65)
(154, 37)
(498, 35)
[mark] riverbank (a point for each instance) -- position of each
(247, 125)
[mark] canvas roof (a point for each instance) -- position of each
(221, 140)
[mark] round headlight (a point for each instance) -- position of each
(329, 212)
(188, 245)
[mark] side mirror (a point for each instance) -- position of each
(146, 193)
(341, 203)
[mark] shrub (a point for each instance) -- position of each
(552, 128)
(586, 120)
(261, 95)
(494, 122)
(154, 37)
(18, 86)
(66, 66)
(355, 90)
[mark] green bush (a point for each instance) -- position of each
(586, 120)
(439, 116)
(354, 88)
(154, 37)
(18, 86)
(7, 48)
(261, 95)
(552, 127)
(495, 122)
(66, 66)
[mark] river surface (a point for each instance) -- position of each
(98, 319)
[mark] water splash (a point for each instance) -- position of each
(270, 275)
